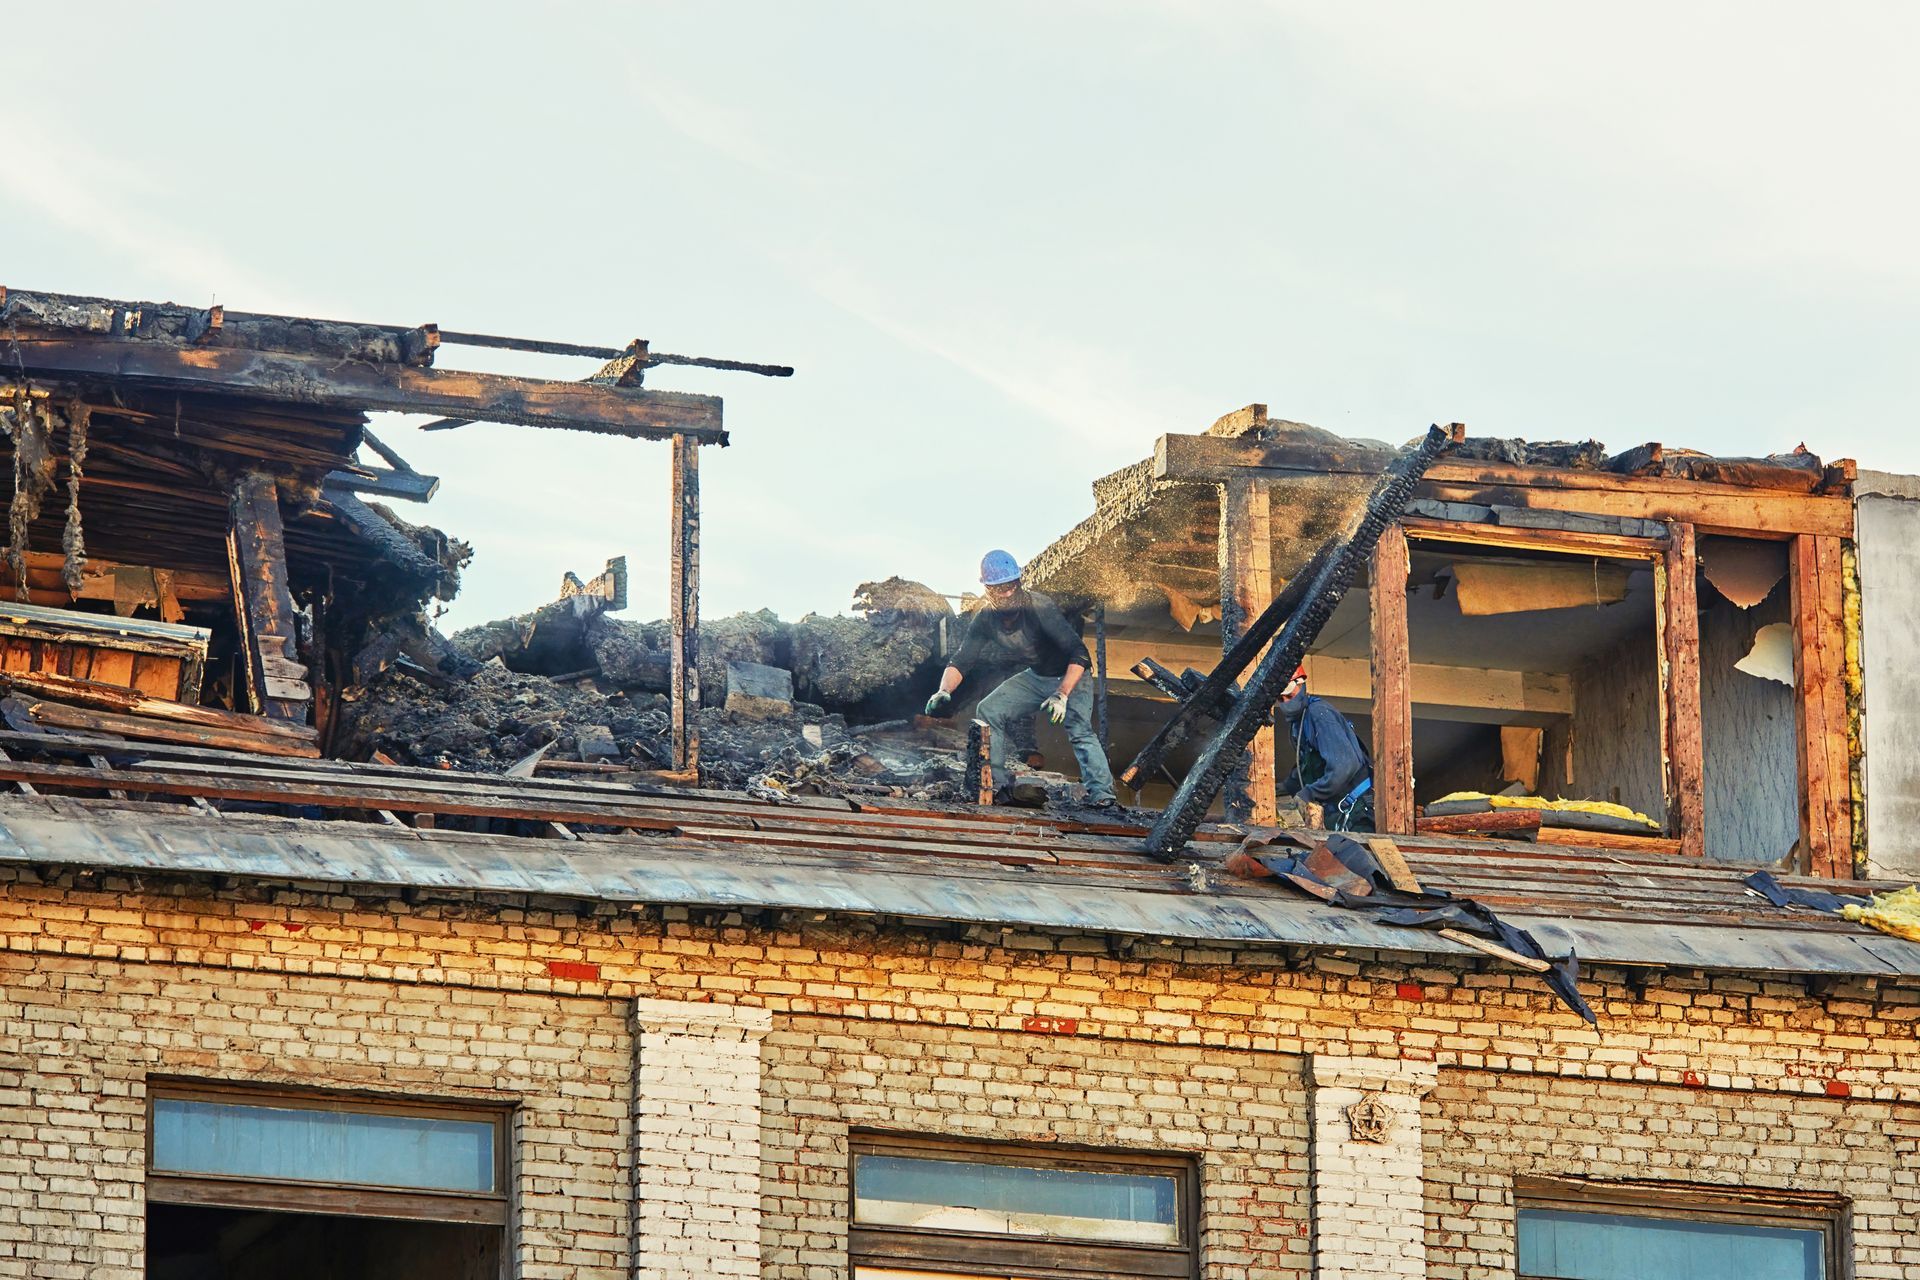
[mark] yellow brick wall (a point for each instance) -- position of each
(106, 980)
(1242, 1114)
(1484, 1129)
(80, 1037)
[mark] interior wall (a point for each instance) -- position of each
(1616, 729)
(1752, 803)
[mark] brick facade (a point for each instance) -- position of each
(822, 1027)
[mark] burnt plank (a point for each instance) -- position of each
(395, 388)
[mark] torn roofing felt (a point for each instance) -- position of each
(1346, 873)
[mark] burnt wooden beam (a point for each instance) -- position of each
(1680, 710)
(264, 609)
(407, 486)
(1392, 684)
(1162, 678)
(1820, 707)
(374, 387)
(683, 642)
(1212, 697)
(612, 353)
(375, 528)
(1182, 816)
(1245, 560)
(1711, 506)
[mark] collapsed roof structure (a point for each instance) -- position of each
(194, 442)
(617, 904)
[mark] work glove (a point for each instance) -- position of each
(1056, 708)
(938, 703)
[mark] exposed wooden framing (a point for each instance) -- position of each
(1745, 513)
(408, 486)
(684, 575)
(396, 388)
(1680, 657)
(1246, 588)
(1531, 538)
(1322, 594)
(1820, 699)
(979, 760)
(1100, 676)
(1214, 695)
(1711, 507)
(257, 555)
(1392, 685)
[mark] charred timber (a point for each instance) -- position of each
(1321, 595)
(373, 387)
(1219, 690)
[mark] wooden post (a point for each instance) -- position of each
(1680, 638)
(263, 603)
(1393, 808)
(1820, 700)
(684, 574)
(980, 760)
(1246, 588)
(1100, 677)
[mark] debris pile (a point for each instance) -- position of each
(589, 689)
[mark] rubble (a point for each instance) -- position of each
(587, 688)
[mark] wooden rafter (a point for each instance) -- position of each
(394, 388)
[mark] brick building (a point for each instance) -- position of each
(743, 1041)
(266, 1013)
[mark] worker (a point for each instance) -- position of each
(1054, 659)
(1331, 769)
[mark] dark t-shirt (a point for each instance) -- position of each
(1030, 632)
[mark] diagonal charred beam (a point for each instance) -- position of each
(1212, 696)
(1323, 591)
(391, 388)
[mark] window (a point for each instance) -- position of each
(926, 1209)
(1580, 1230)
(254, 1182)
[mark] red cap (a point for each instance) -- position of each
(1299, 673)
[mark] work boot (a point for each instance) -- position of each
(1021, 795)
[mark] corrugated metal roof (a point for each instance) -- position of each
(982, 868)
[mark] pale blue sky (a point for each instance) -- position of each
(1005, 245)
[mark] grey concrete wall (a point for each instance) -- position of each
(1752, 799)
(1887, 528)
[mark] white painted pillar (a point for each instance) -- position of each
(1368, 1220)
(696, 1139)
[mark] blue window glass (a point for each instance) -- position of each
(1617, 1246)
(299, 1144)
(965, 1195)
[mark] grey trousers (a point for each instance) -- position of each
(1018, 699)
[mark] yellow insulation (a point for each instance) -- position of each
(1562, 806)
(1897, 913)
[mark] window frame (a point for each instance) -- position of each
(1690, 1202)
(1654, 552)
(1042, 1257)
(351, 1199)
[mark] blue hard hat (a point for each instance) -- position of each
(997, 567)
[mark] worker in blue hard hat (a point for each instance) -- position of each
(1031, 627)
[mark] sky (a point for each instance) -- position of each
(1004, 245)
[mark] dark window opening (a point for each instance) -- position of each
(186, 1242)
